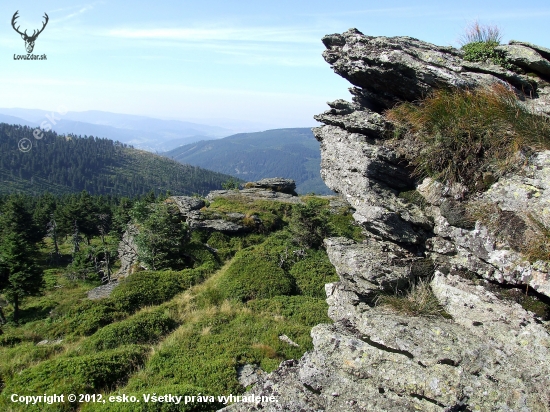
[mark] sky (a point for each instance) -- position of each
(218, 61)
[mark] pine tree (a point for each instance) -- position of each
(19, 274)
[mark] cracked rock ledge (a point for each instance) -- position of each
(486, 354)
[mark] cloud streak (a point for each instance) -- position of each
(258, 34)
(77, 13)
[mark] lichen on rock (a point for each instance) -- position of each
(486, 353)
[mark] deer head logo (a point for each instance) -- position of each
(29, 40)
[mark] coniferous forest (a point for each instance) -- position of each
(67, 164)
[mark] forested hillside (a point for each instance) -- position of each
(60, 164)
(289, 153)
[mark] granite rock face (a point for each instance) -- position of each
(255, 194)
(276, 184)
(485, 354)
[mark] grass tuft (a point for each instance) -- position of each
(466, 133)
(480, 33)
(419, 300)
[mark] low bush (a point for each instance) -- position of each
(344, 225)
(310, 223)
(84, 318)
(485, 52)
(312, 273)
(153, 288)
(206, 351)
(479, 44)
(200, 255)
(79, 374)
(465, 133)
(251, 277)
(15, 359)
(146, 327)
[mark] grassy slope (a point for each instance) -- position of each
(167, 332)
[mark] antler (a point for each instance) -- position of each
(34, 36)
(15, 16)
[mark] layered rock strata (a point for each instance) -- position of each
(485, 353)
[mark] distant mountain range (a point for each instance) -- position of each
(290, 153)
(142, 132)
(60, 165)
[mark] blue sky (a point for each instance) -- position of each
(206, 59)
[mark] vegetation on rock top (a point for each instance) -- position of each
(464, 134)
(214, 304)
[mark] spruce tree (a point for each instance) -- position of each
(19, 274)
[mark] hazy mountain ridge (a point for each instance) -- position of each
(291, 153)
(139, 131)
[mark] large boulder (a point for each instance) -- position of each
(277, 184)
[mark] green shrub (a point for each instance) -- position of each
(84, 318)
(485, 52)
(162, 236)
(79, 374)
(176, 389)
(251, 277)
(231, 184)
(207, 351)
(479, 43)
(312, 273)
(218, 240)
(153, 288)
(344, 225)
(310, 222)
(147, 327)
(464, 133)
(24, 355)
(280, 250)
(200, 255)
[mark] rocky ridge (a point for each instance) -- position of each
(198, 218)
(486, 353)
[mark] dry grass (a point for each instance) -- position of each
(537, 246)
(480, 33)
(466, 133)
(419, 300)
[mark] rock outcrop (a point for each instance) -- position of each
(483, 353)
(276, 184)
(199, 218)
